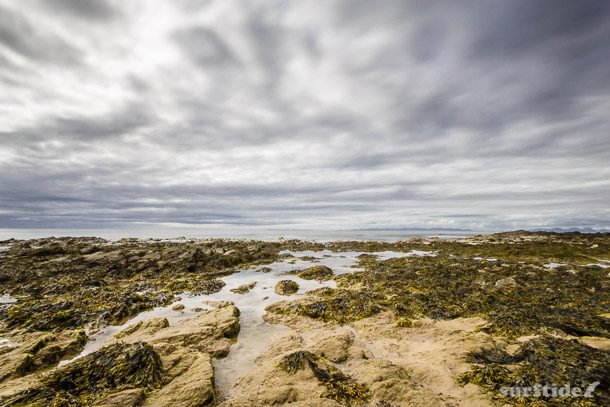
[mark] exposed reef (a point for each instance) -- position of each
(407, 323)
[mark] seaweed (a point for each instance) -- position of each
(543, 361)
(339, 387)
(244, 288)
(118, 366)
(286, 287)
(447, 287)
(320, 273)
(334, 305)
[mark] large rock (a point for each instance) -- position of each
(125, 398)
(194, 387)
(184, 351)
(212, 332)
(335, 348)
(30, 352)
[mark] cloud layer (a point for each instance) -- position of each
(317, 114)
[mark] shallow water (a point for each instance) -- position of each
(255, 334)
(227, 232)
(486, 259)
(553, 265)
(7, 299)
(602, 263)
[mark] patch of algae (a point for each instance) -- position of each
(544, 360)
(286, 287)
(115, 367)
(244, 288)
(320, 273)
(333, 305)
(339, 387)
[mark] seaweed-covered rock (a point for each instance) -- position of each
(516, 298)
(340, 387)
(333, 305)
(68, 283)
(320, 273)
(82, 381)
(36, 351)
(546, 361)
(286, 287)
(244, 288)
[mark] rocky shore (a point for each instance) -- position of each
(434, 322)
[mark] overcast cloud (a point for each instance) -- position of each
(313, 113)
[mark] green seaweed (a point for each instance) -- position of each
(544, 361)
(334, 305)
(517, 299)
(286, 287)
(339, 387)
(118, 366)
(320, 273)
(244, 288)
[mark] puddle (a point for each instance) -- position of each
(603, 264)
(553, 265)
(7, 299)
(255, 334)
(6, 345)
(4, 248)
(483, 258)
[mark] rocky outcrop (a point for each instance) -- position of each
(155, 363)
(30, 352)
(192, 387)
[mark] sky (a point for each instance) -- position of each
(317, 114)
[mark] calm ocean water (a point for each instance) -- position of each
(237, 233)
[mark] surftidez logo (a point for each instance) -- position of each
(549, 391)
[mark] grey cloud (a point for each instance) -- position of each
(99, 10)
(520, 27)
(83, 129)
(21, 36)
(205, 48)
(111, 125)
(342, 114)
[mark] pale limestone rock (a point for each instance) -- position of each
(125, 398)
(194, 387)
